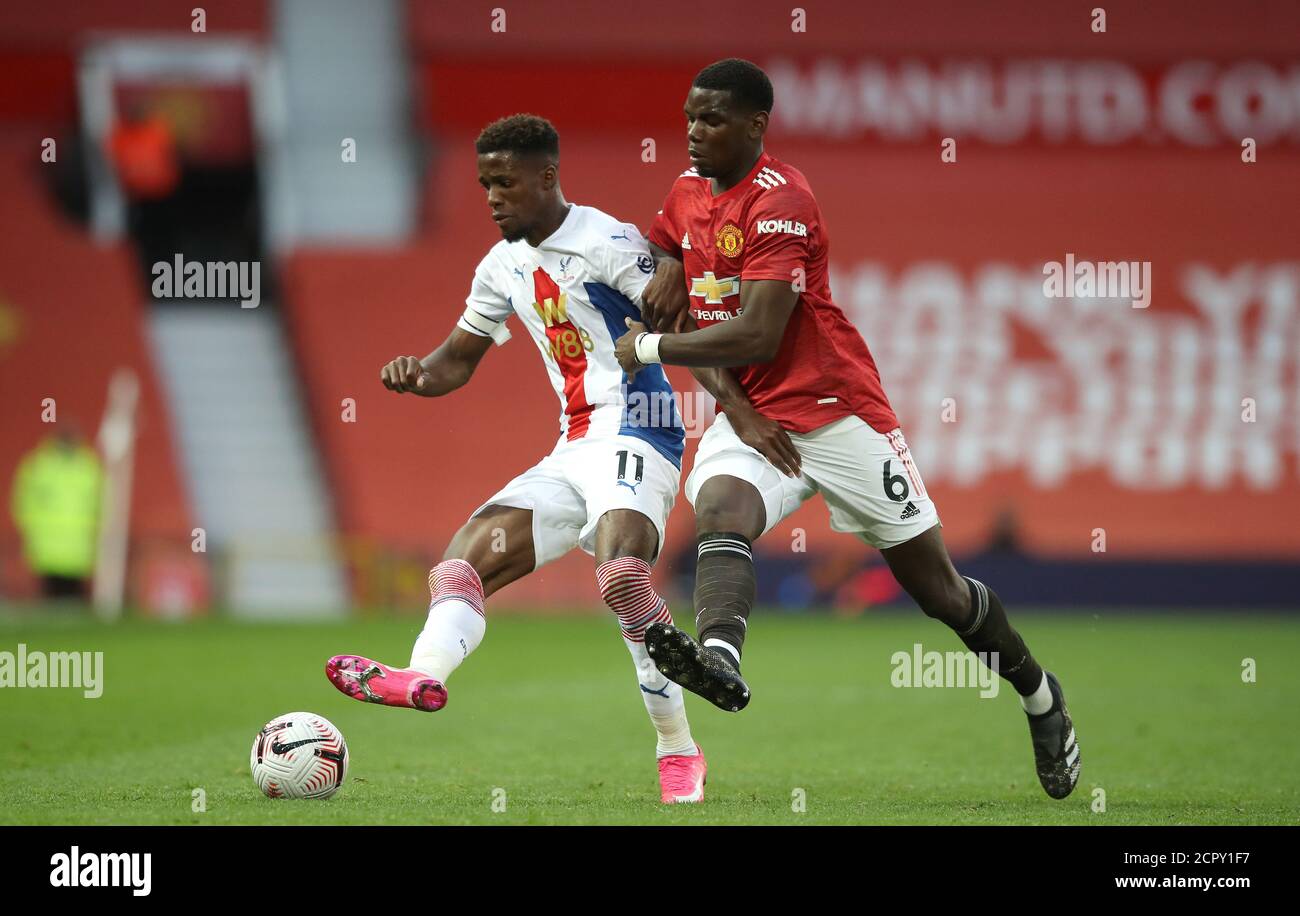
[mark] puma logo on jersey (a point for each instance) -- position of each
(788, 226)
(714, 290)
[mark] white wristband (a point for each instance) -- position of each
(647, 348)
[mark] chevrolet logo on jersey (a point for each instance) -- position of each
(552, 312)
(714, 290)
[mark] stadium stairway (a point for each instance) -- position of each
(256, 485)
(344, 75)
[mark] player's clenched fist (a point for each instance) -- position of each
(404, 374)
(625, 348)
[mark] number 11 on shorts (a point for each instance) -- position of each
(622, 470)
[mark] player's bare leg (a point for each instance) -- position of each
(490, 551)
(626, 543)
(972, 609)
(729, 517)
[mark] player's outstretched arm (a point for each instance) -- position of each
(442, 371)
(753, 336)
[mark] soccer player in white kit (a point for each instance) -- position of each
(573, 275)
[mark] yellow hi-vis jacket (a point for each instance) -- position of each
(56, 508)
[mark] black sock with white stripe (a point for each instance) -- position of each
(724, 592)
(988, 631)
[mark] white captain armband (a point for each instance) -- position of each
(483, 326)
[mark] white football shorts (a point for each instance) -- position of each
(868, 479)
(572, 487)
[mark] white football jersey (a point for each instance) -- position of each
(573, 293)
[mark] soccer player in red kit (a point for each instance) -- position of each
(742, 277)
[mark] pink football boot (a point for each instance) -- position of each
(372, 682)
(682, 778)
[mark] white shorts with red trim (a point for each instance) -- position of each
(572, 487)
(868, 479)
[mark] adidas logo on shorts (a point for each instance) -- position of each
(909, 511)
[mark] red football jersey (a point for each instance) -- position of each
(768, 227)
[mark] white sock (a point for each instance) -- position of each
(1040, 701)
(455, 624)
(625, 586)
(664, 703)
(723, 644)
(452, 632)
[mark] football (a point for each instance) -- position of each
(299, 755)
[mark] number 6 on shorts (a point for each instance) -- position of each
(897, 480)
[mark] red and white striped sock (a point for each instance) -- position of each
(456, 622)
(625, 586)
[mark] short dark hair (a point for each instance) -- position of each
(748, 84)
(519, 133)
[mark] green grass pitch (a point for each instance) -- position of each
(548, 711)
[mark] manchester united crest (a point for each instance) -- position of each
(730, 240)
